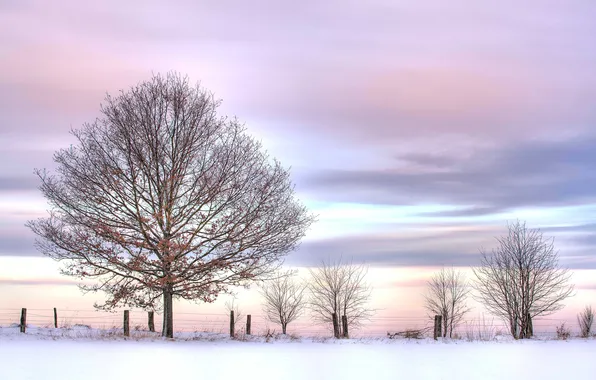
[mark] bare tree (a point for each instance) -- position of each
(161, 198)
(521, 279)
(284, 299)
(585, 319)
(340, 289)
(446, 296)
(233, 306)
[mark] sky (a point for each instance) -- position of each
(414, 129)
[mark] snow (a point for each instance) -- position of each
(83, 354)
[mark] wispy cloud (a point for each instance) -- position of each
(524, 174)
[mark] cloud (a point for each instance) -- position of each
(15, 241)
(464, 212)
(37, 282)
(415, 247)
(526, 174)
(18, 183)
(434, 245)
(571, 228)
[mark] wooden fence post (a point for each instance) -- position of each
(344, 323)
(55, 318)
(23, 319)
(151, 321)
(248, 324)
(437, 330)
(126, 323)
(231, 323)
(335, 326)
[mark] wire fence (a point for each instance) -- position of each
(220, 323)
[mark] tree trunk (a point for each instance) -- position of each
(445, 319)
(513, 325)
(335, 326)
(151, 322)
(168, 314)
(283, 328)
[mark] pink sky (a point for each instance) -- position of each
(415, 129)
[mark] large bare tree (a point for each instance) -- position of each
(161, 198)
(341, 289)
(446, 296)
(521, 279)
(284, 299)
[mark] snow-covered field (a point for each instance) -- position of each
(82, 354)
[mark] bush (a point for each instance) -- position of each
(585, 320)
(563, 333)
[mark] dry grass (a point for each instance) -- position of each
(563, 332)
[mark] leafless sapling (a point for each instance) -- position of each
(447, 295)
(284, 299)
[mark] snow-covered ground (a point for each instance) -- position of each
(83, 354)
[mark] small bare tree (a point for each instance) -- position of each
(340, 289)
(233, 306)
(284, 299)
(521, 279)
(161, 198)
(446, 295)
(585, 319)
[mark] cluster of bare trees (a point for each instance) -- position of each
(518, 281)
(333, 290)
(161, 198)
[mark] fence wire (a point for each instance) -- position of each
(260, 325)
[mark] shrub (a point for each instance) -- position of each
(585, 320)
(563, 333)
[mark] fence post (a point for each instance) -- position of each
(231, 323)
(344, 323)
(335, 326)
(151, 322)
(126, 324)
(55, 318)
(248, 324)
(437, 330)
(23, 319)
